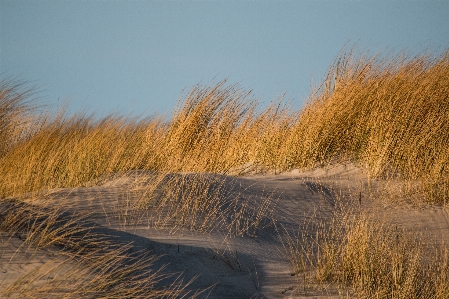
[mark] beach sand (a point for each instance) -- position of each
(249, 266)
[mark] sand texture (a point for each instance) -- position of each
(229, 264)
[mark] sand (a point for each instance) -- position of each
(249, 266)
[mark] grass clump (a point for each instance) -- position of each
(368, 258)
(73, 152)
(16, 121)
(201, 202)
(388, 114)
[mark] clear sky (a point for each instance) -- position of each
(138, 56)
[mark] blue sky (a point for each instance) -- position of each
(137, 56)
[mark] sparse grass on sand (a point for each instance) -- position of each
(367, 258)
(388, 114)
(87, 264)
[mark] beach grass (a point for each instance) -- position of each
(366, 257)
(388, 114)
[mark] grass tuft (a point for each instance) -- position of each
(367, 258)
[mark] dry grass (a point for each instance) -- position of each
(95, 275)
(202, 202)
(16, 114)
(367, 258)
(388, 114)
(86, 264)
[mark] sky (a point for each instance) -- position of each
(137, 57)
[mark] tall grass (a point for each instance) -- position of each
(16, 111)
(389, 114)
(73, 152)
(368, 258)
(215, 130)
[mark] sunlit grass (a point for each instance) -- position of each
(388, 114)
(367, 258)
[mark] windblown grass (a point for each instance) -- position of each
(16, 121)
(201, 202)
(389, 114)
(85, 265)
(368, 258)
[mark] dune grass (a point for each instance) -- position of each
(85, 263)
(200, 202)
(367, 258)
(388, 114)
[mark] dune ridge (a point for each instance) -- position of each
(345, 197)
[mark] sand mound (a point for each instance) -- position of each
(241, 258)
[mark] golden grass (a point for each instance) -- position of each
(367, 258)
(388, 114)
(15, 114)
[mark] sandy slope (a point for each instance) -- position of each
(237, 267)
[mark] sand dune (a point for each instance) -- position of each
(251, 265)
